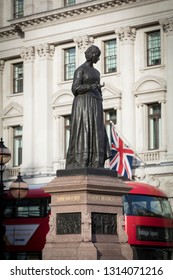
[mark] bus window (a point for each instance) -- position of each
(156, 206)
(166, 207)
(139, 209)
(126, 205)
(145, 205)
(29, 207)
(23, 255)
(28, 211)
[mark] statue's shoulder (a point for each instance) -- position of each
(82, 68)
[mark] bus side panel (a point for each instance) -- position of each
(148, 230)
(26, 235)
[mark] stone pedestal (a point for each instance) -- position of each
(86, 221)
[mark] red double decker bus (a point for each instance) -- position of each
(148, 222)
(26, 222)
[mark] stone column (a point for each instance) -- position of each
(2, 63)
(83, 42)
(28, 55)
(167, 25)
(43, 111)
(127, 37)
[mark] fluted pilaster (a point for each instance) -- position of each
(167, 25)
(127, 37)
(43, 111)
(2, 64)
(28, 56)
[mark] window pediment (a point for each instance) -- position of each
(12, 110)
(61, 102)
(111, 97)
(111, 92)
(150, 89)
(62, 98)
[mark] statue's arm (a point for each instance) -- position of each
(78, 87)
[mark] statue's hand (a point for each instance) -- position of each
(98, 86)
(94, 86)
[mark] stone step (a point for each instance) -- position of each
(109, 251)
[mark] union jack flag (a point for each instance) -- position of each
(122, 155)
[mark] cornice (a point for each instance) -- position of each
(7, 32)
(17, 26)
(2, 64)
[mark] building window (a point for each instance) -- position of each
(110, 56)
(154, 125)
(18, 8)
(69, 2)
(67, 130)
(153, 48)
(17, 146)
(18, 77)
(110, 115)
(69, 63)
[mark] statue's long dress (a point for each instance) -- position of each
(88, 145)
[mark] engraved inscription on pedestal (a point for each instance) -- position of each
(101, 199)
(68, 223)
(104, 223)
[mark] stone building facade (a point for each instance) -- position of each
(42, 42)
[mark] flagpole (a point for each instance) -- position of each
(137, 155)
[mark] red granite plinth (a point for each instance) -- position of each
(86, 192)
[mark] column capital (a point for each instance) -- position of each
(126, 34)
(45, 50)
(167, 25)
(2, 64)
(84, 41)
(28, 54)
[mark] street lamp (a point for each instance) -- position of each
(19, 188)
(5, 156)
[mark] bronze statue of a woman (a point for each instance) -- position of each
(88, 145)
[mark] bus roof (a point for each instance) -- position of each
(32, 193)
(144, 189)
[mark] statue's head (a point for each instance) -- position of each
(91, 52)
